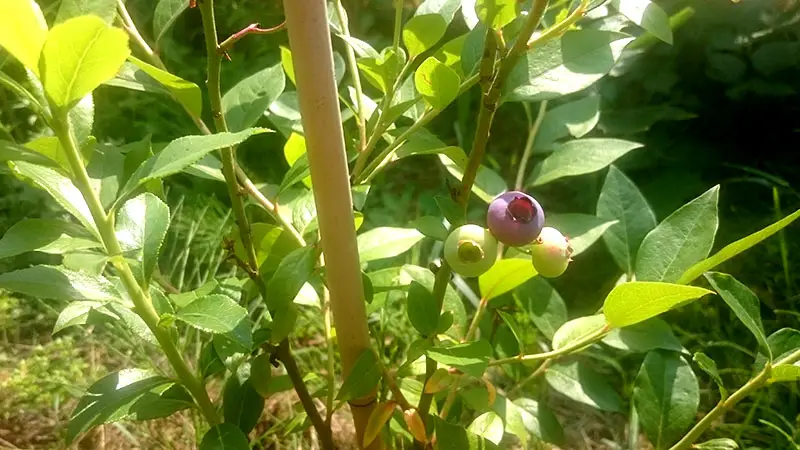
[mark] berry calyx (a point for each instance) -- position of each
(470, 250)
(515, 218)
(550, 253)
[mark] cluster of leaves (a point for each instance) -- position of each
(115, 194)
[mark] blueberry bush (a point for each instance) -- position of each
(345, 119)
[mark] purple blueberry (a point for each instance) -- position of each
(515, 218)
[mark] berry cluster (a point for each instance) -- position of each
(517, 220)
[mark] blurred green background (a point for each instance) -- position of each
(720, 106)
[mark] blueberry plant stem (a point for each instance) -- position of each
(141, 300)
(572, 348)
(312, 53)
(214, 59)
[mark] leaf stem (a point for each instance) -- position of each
(526, 154)
(572, 348)
(253, 28)
(361, 118)
(141, 300)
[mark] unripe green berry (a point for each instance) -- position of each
(470, 250)
(550, 253)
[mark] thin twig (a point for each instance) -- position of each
(250, 29)
(526, 154)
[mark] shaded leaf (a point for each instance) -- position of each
(185, 92)
(165, 15)
(141, 226)
(362, 379)
(622, 201)
(488, 183)
(241, 403)
(213, 313)
(58, 283)
(543, 304)
(382, 71)
(224, 436)
(497, 13)
(247, 101)
(652, 334)
(666, 395)
(744, 304)
(104, 9)
(574, 118)
(422, 309)
(582, 385)
(710, 367)
(45, 235)
(577, 330)
(292, 272)
(563, 66)
(471, 358)
(456, 437)
(579, 157)
(582, 230)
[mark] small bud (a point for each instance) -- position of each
(415, 425)
(440, 379)
(380, 415)
(470, 250)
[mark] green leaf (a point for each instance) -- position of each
(430, 226)
(647, 15)
(23, 31)
(294, 150)
(452, 301)
(437, 83)
(637, 301)
(680, 240)
(362, 379)
(563, 66)
(60, 188)
(710, 367)
(622, 201)
(574, 118)
(445, 8)
(423, 312)
(224, 436)
(10, 151)
(488, 183)
(182, 153)
(785, 373)
(156, 405)
(78, 56)
(497, 13)
(583, 230)
(386, 242)
(141, 226)
(213, 313)
(456, 437)
(577, 330)
(717, 444)
(382, 71)
(77, 313)
(104, 9)
(781, 343)
(488, 425)
(666, 395)
(241, 403)
(512, 324)
(471, 358)
(579, 157)
(652, 334)
(246, 102)
(185, 92)
(362, 49)
(424, 142)
(422, 32)
(292, 272)
(731, 250)
(504, 276)
(543, 304)
(110, 398)
(81, 121)
(165, 15)
(58, 283)
(450, 54)
(743, 302)
(44, 235)
(582, 385)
